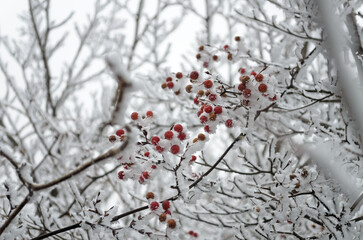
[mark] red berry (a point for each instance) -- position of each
(191, 232)
(241, 87)
(203, 119)
(141, 179)
(245, 102)
(247, 93)
(166, 205)
(179, 75)
(208, 109)
(147, 154)
(229, 123)
(218, 110)
(149, 114)
(199, 112)
(273, 98)
(182, 136)
(154, 205)
(212, 97)
(153, 166)
(168, 212)
(145, 175)
(196, 101)
(134, 116)
(242, 70)
(121, 175)
(205, 64)
(120, 132)
(174, 149)
(253, 73)
(194, 75)
(259, 77)
(155, 140)
(168, 135)
(206, 128)
(170, 85)
(178, 128)
(169, 79)
(195, 234)
(159, 149)
(208, 83)
(193, 158)
(262, 88)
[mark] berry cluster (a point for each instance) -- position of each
(192, 233)
(164, 212)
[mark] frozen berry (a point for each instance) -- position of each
(229, 123)
(163, 85)
(112, 138)
(145, 174)
(193, 158)
(203, 119)
(198, 56)
(120, 132)
(182, 136)
(208, 109)
(244, 79)
(169, 79)
(121, 175)
(237, 38)
(159, 149)
(188, 88)
(179, 75)
(194, 75)
(259, 77)
(201, 48)
(206, 129)
(225, 47)
(147, 154)
(230, 56)
(178, 128)
(162, 217)
(171, 223)
(166, 205)
(262, 88)
(196, 101)
(212, 116)
(241, 87)
(208, 83)
(247, 93)
(134, 116)
(201, 136)
(170, 85)
(253, 73)
(168, 135)
(155, 140)
(242, 71)
(174, 149)
(153, 166)
(154, 205)
(149, 114)
(150, 195)
(218, 110)
(212, 97)
(215, 57)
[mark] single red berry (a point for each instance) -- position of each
(262, 88)
(145, 174)
(247, 93)
(195, 234)
(153, 166)
(168, 135)
(166, 205)
(120, 132)
(193, 158)
(212, 97)
(169, 79)
(241, 87)
(229, 123)
(218, 110)
(196, 101)
(170, 85)
(208, 83)
(242, 70)
(182, 136)
(174, 149)
(168, 212)
(206, 128)
(155, 140)
(208, 109)
(191, 232)
(149, 114)
(154, 205)
(259, 77)
(126, 167)
(194, 75)
(134, 116)
(121, 175)
(245, 102)
(203, 119)
(205, 64)
(178, 128)
(179, 75)
(253, 73)
(159, 149)
(225, 47)
(199, 112)
(150, 195)
(147, 154)
(215, 57)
